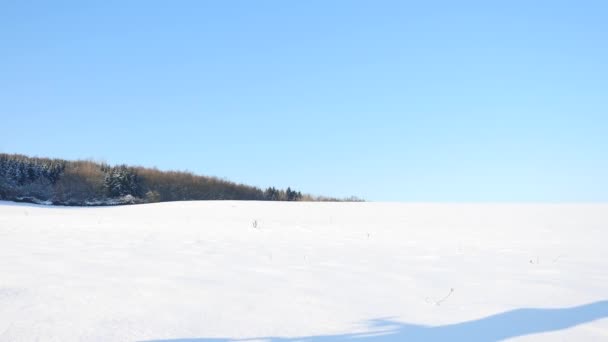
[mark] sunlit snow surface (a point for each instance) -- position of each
(321, 272)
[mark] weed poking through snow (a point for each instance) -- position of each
(438, 302)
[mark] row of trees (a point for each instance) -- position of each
(272, 194)
(65, 182)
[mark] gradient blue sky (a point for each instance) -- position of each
(387, 100)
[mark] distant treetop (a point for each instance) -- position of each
(63, 182)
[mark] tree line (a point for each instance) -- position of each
(63, 182)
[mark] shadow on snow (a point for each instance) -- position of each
(497, 327)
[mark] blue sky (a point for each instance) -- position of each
(387, 100)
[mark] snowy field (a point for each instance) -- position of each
(321, 272)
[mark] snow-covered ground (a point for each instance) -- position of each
(321, 272)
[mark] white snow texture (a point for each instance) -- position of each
(291, 271)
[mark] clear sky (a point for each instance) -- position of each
(387, 100)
